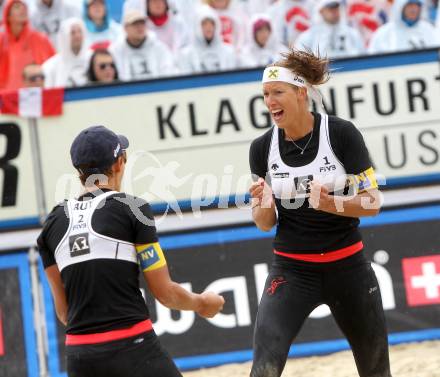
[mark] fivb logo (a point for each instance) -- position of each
(327, 166)
(79, 244)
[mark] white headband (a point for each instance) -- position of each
(273, 74)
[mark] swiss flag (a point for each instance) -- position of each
(422, 280)
(32, 102)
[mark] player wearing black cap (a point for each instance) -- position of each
(92, 248)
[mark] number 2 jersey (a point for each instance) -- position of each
(336, 157)
(98, 243)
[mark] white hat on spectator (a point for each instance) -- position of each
(133, 15)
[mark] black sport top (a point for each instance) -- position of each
(102, 294)
(304, 229)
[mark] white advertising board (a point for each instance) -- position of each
(190, 136)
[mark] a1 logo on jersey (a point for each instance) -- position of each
(422, 280)
(328, 166)
(79, 245)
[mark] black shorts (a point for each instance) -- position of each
(138, 356)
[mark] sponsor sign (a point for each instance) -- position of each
(17, 186)
(422, 280)
(18, 356)
(2, 342)
(190, 137)
(234, 262)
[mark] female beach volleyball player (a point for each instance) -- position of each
(313, 180)
(92, 249)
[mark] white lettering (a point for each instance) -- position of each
(80, 244)
(320, 312)
(386, 286)
(167, 324)
(260, 273)
(241, 301)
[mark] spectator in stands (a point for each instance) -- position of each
(20, 45)
(258, 6)
(169, 26)
(233, 21)
(33, 76)
(69, 67)
(186, 9)
(141, 55)
(262, 48)
(330, 34)
(406, 30)
(208, 53)
(367, 16)
(437, 21)
(101, 29)
(2, 5)
(432, 6)
(102, 68)
(49, 14)
(290, 18)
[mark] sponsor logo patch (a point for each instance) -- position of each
(79, 245)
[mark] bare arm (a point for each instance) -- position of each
(367, 203)
(263, 205)
(170, 293)
(58, 292)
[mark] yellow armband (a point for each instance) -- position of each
(150, 256)
(365, 180)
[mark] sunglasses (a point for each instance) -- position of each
(106, 65)
(35, 78)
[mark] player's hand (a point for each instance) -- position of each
(210, 304)
(261, 194)
(319, 196)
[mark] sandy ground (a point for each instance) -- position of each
(407, 360)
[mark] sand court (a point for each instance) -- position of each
(407, 360)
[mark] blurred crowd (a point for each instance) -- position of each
(65, 43)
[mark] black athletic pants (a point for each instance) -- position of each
(139, 356)
(294, 288)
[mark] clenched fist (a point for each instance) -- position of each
(210, 304)
(261, 194)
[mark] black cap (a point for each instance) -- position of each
(97, 147)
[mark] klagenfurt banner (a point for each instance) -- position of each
(190, 136)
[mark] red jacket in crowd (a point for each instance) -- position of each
(30, 46)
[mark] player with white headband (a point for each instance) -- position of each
(313, 180)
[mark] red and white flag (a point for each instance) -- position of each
(32, 102)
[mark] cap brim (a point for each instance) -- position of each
(124, 141)
(133, 21)
(333, 4)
